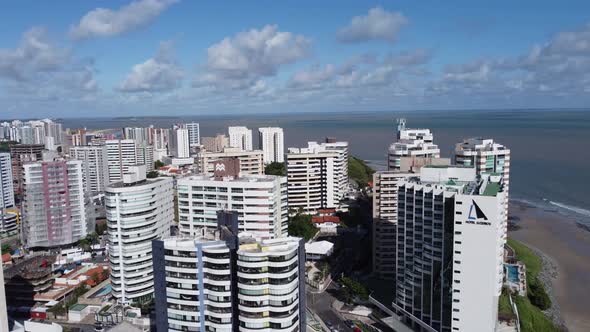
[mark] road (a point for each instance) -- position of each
(321, 304)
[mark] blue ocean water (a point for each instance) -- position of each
(550, 148)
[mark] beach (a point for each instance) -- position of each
(566, 245)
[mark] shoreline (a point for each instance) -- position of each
(564, 248)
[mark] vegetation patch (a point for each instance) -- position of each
(359, 171)
(301, 226)
(275, 168)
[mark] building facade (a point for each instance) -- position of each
(240, 137)
(215, 144)
(450, 232)
(194, 134)
(56, 210)
(317, 176)
(138, 211)
(20, 154)
(121, 154)
(179, 143)
(251, 162)
(6, 182)
(272, 143)
(260, 201)
(95, 167)
(138, 134)
(213, 283)
(411, 143)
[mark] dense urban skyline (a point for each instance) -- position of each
(143, 57)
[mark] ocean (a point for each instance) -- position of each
(550, 149)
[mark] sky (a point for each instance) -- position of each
(174, 57)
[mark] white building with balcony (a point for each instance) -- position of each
(260, 200)
(138, 211)
(411, 143)
(240, 137)
(217, 282)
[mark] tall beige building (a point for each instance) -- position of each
(216, 143)
(250, 161)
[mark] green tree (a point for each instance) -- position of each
(275, 168)
(158, 164)
(359, 171)
(6, 249)
(105, 274)
(301, 226)
(101, 227)
(152, 174)
(96, 278)
(352, 289)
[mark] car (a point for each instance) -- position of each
(329, 324)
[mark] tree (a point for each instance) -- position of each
(6, 249)
(101, 227)
(302, 226)
(359, 171)
(96, 278)
(158, 164)
(105, 274)
(352, 289)
(152, 174)
(275, 168)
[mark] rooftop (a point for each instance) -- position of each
(242, 178)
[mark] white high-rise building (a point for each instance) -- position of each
(158, 138)
(179, 143)
(240, 137)
(56, 210)
(272, 144)
(6, 182)
(121, 154)
(145, 156)
(411, 143)
(487, 156)
(138, 134)
(138, 211)
(250, 161)
(317, 176)
(194, 134)
(96, 171)
(8, 217)
(248, 284)
(260, 200)
(450, 232)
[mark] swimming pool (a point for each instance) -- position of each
(512, 273)
(102, 292)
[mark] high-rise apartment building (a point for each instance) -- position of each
(178, 146)
(450, 231)
(240, 137)
(56, 211)
(385, 210)
(317, 176)
(411, 143)
(95, 167)
(8, 217)
(6, 184)
(20, 154)
(138, 134)
(271, 142)
(219, 282)
(158, 138)
(250, 161)
(194, 134)
(487, 156)
(215, 144)
(121, 154)
(145, 156)
(138, 211)
(260, 201)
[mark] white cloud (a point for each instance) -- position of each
(102, 22)
(39, 68)
(157, 74)
(378, 24)
(238, 62)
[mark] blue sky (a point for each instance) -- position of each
(153, 57)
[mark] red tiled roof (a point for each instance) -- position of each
(6, 257)
(320, 219)
(326, 211)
